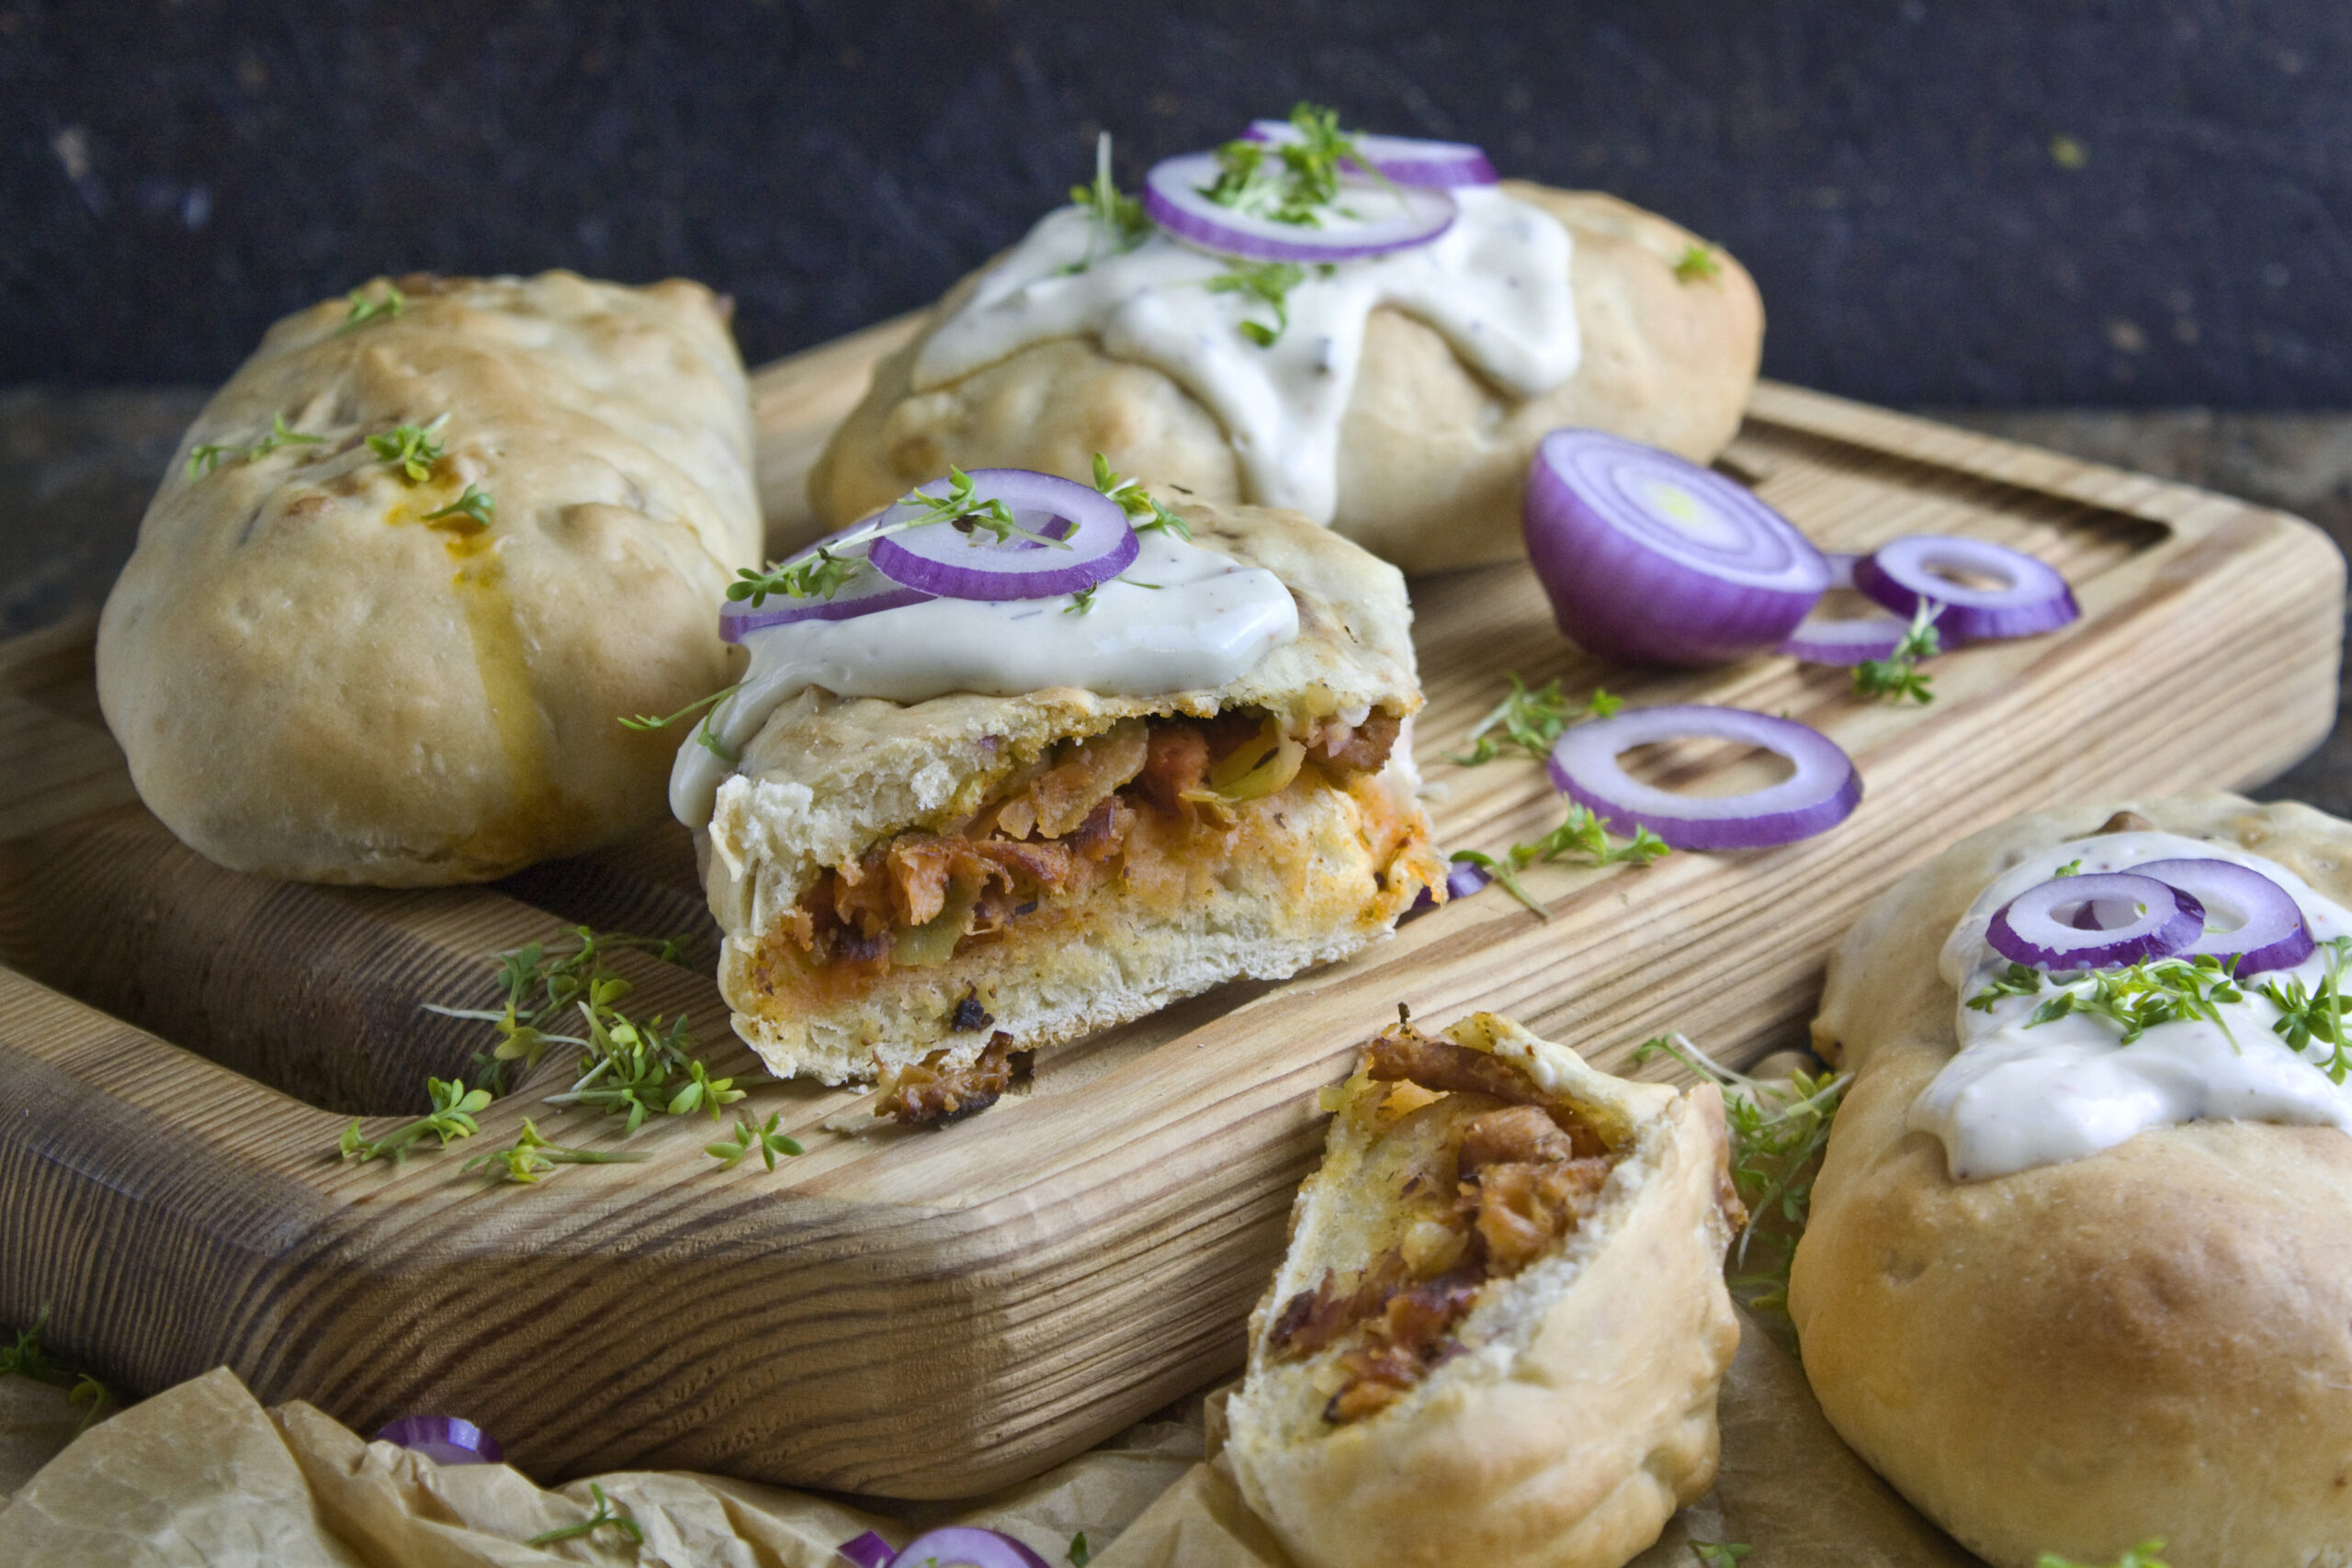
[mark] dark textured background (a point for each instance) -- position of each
(2011, 201)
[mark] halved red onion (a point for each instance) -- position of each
(867, 1551)
(444, 1439)
(2032, 600)
(1404, 160)
(862, 594)
(1095, 542)
(1654, 560)
(1394, 219)
(1821, 793)
(2269, 932)
(966, 1546)
(2163, 920)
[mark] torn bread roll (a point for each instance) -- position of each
(414, 563)
(1499, 1332)
(2145, 1341)
(1424, 458)
(923, 882)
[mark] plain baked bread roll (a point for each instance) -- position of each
(2152, 1341)
(1499, 1332)
(312, 677)
(1431, 456)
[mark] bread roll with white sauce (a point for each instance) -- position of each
(1518, 1369)
(314, 676)
(2148, 1342)
(1433, 456)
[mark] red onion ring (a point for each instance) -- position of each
(444, 1439)
(1841, 567)
(2026, 930)
(868, 594)
(1173, 198)
(966, 1546)
(2270, 933)
(1402, 160)
(1654, 560)
(1096, 541)
(1826, 639)
(867, 1551)
(2034, 598)
(1821, 792)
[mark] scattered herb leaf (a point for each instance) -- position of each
(469, 514)
(1145, 514)
(819, 576)
(533, 1156)
(705, 736)
(1080, 1554)
(2140, 1556)
(2016, 980)
(1897, 675)
(28, 1358)
(411, 448)
(1270, 283)
(2307, 1016)
(452, 1117)
(1530, 720)
(1290, 182)
(1082, 602)
(1582, 833)
(2072, 868)
(205, 459)
(363, 309)
(1696, 265)
(603, 1516)
(762, 1139)
(1119, 222)
(2139, 998)
(1720, 1553)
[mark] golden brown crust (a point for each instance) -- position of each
(1431, 456)
(311, 680)
(2150, 1342)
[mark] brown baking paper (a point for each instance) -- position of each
(202, 1474)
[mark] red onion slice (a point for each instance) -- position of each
(867, 1551)
(966, 1546)
(1096, 541)
(444, 1439)
(1394, 219)
(2163, 920)
(1403, 160)
(866, 594)
(2032, 600)
(2269, 931)
(1821, 793)
(1654, 560)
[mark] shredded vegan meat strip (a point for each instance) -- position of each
(931, 1093)
(1404, 1054)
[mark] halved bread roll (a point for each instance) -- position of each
(411, 568)
(1499, 1332)
(2150, 1341)
(940, 879)
(1432, 455)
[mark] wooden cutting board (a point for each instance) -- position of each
(933, 1314)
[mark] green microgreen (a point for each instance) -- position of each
(603, 1517)
(1270, 284)
(962, 510)
(2307, 1017)
(469, 514)
(411, 448)
(753, 1138)
(1581, 832)
(706, 736)
(1720, 1553)
(363, 309)
(1530, 720)
(533, 1156)
(819, 576)
(1776, 1134)
(2139, 998)
(1290, 182)
(204, 459)
(1897, 675)
(1143, 514)
(1080, 1554)
(2140, 1556)
(1082, 602)
(2016, 980)
(2072, 868)
(28, 1357)
(1119, 222)
(452, 1117)
(1696, 265)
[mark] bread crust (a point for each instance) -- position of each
(1432, 457)
(1583, 1412)
(827, 778)
(2153, 1341)
(310, 680)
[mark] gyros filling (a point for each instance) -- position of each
(1522, 1176)
(1060, 825)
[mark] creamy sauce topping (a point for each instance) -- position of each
(2016, 1097)
(1206, 620)
(1496, 285)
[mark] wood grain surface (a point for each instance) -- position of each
(933, 1314)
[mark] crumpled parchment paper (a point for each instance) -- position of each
(202, 1474)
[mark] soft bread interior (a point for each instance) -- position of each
(1575, 1410)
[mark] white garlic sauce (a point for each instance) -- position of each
(1495, 283)
(2019, 1095)
(1204, 620)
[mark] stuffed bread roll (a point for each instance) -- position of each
(1396, 397)
(2071, 1291)
(1498, 1331)
(416, 562)
(953, 825)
